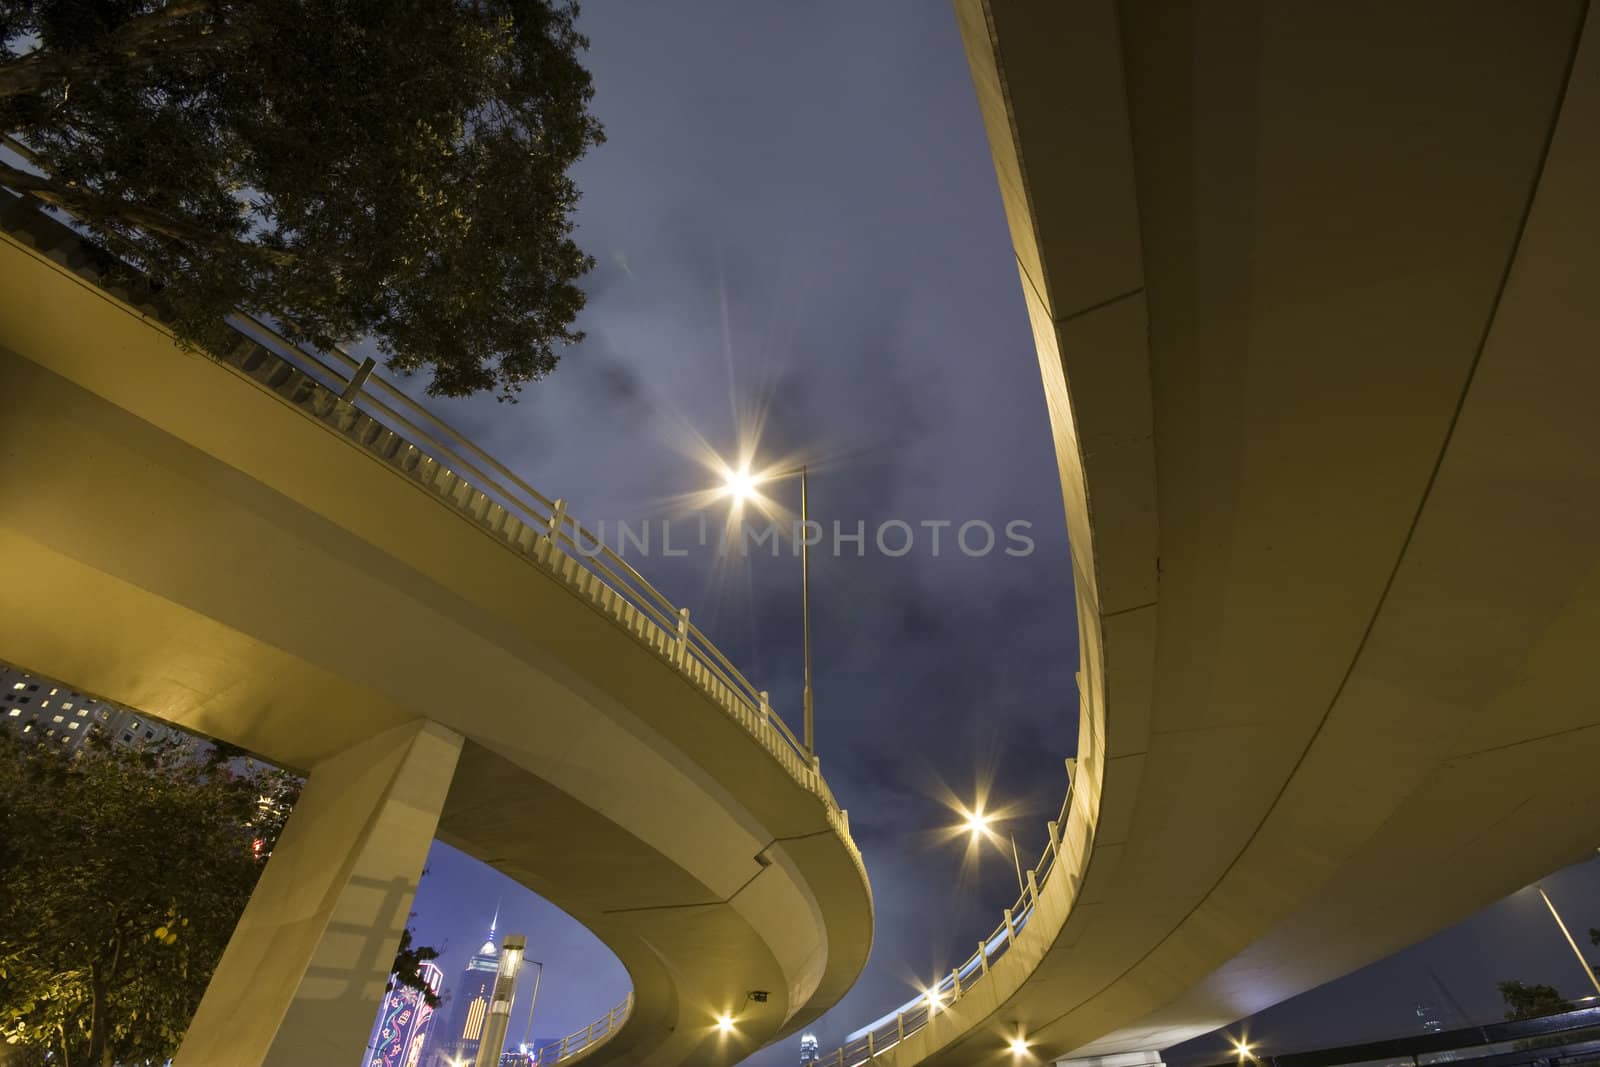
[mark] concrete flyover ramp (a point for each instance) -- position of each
(351, 590)
(1314, 291)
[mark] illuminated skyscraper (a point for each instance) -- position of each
(469, 1005)
(404, 1024)
(809, 1053)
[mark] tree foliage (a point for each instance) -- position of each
(408, 961)
(122, 874)
(388, 169)
(1531, 1001)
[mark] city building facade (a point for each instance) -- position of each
(404, 1023)
(43, 709)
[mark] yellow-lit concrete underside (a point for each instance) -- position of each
(177, 539)
(1322, 372)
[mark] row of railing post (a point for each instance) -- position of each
(1028, 902)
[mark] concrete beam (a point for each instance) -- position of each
(1143, 1058)
(304, 973)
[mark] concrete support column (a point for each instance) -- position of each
(301, 980)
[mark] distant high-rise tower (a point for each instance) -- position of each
(404, 1023)
(809, 1053)
(469, 1008)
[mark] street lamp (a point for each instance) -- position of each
(501, 997)
(1588, 971)
(534, 999)
(977, 823)
(741, 484)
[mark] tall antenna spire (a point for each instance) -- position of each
(495, 922)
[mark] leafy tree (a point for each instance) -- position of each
(124, 872)
(388, 169)
(1531, 1001)
(408, 963)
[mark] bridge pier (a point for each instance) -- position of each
(302, 977)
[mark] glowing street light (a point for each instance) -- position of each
(979, 824)
(741, 485)
(725, 1024)
(1018, 1046)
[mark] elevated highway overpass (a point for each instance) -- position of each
(1313, 289)
(1312, 292)
(351, 590)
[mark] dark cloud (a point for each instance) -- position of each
(795, 213)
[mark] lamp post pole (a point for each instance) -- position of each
(741, 485)
(528, 1030)
(501, 997)
(1588, 971)
(805, 613)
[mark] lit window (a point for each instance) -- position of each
(58, 718)
(67, 704)
(20, 685)
(44, 703)
(53, 692)
(15, 712)
(82, 712)
(28, 727)
(72, 726)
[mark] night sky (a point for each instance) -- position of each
(797, 226)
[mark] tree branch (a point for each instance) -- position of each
(91, 207)
(39, 68)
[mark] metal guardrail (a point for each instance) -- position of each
(336, 390)
(885, 1033)
(580, 1040)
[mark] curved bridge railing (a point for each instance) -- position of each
(381, 419)
(384, 421)
(884, 1033)
(581, 1040)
